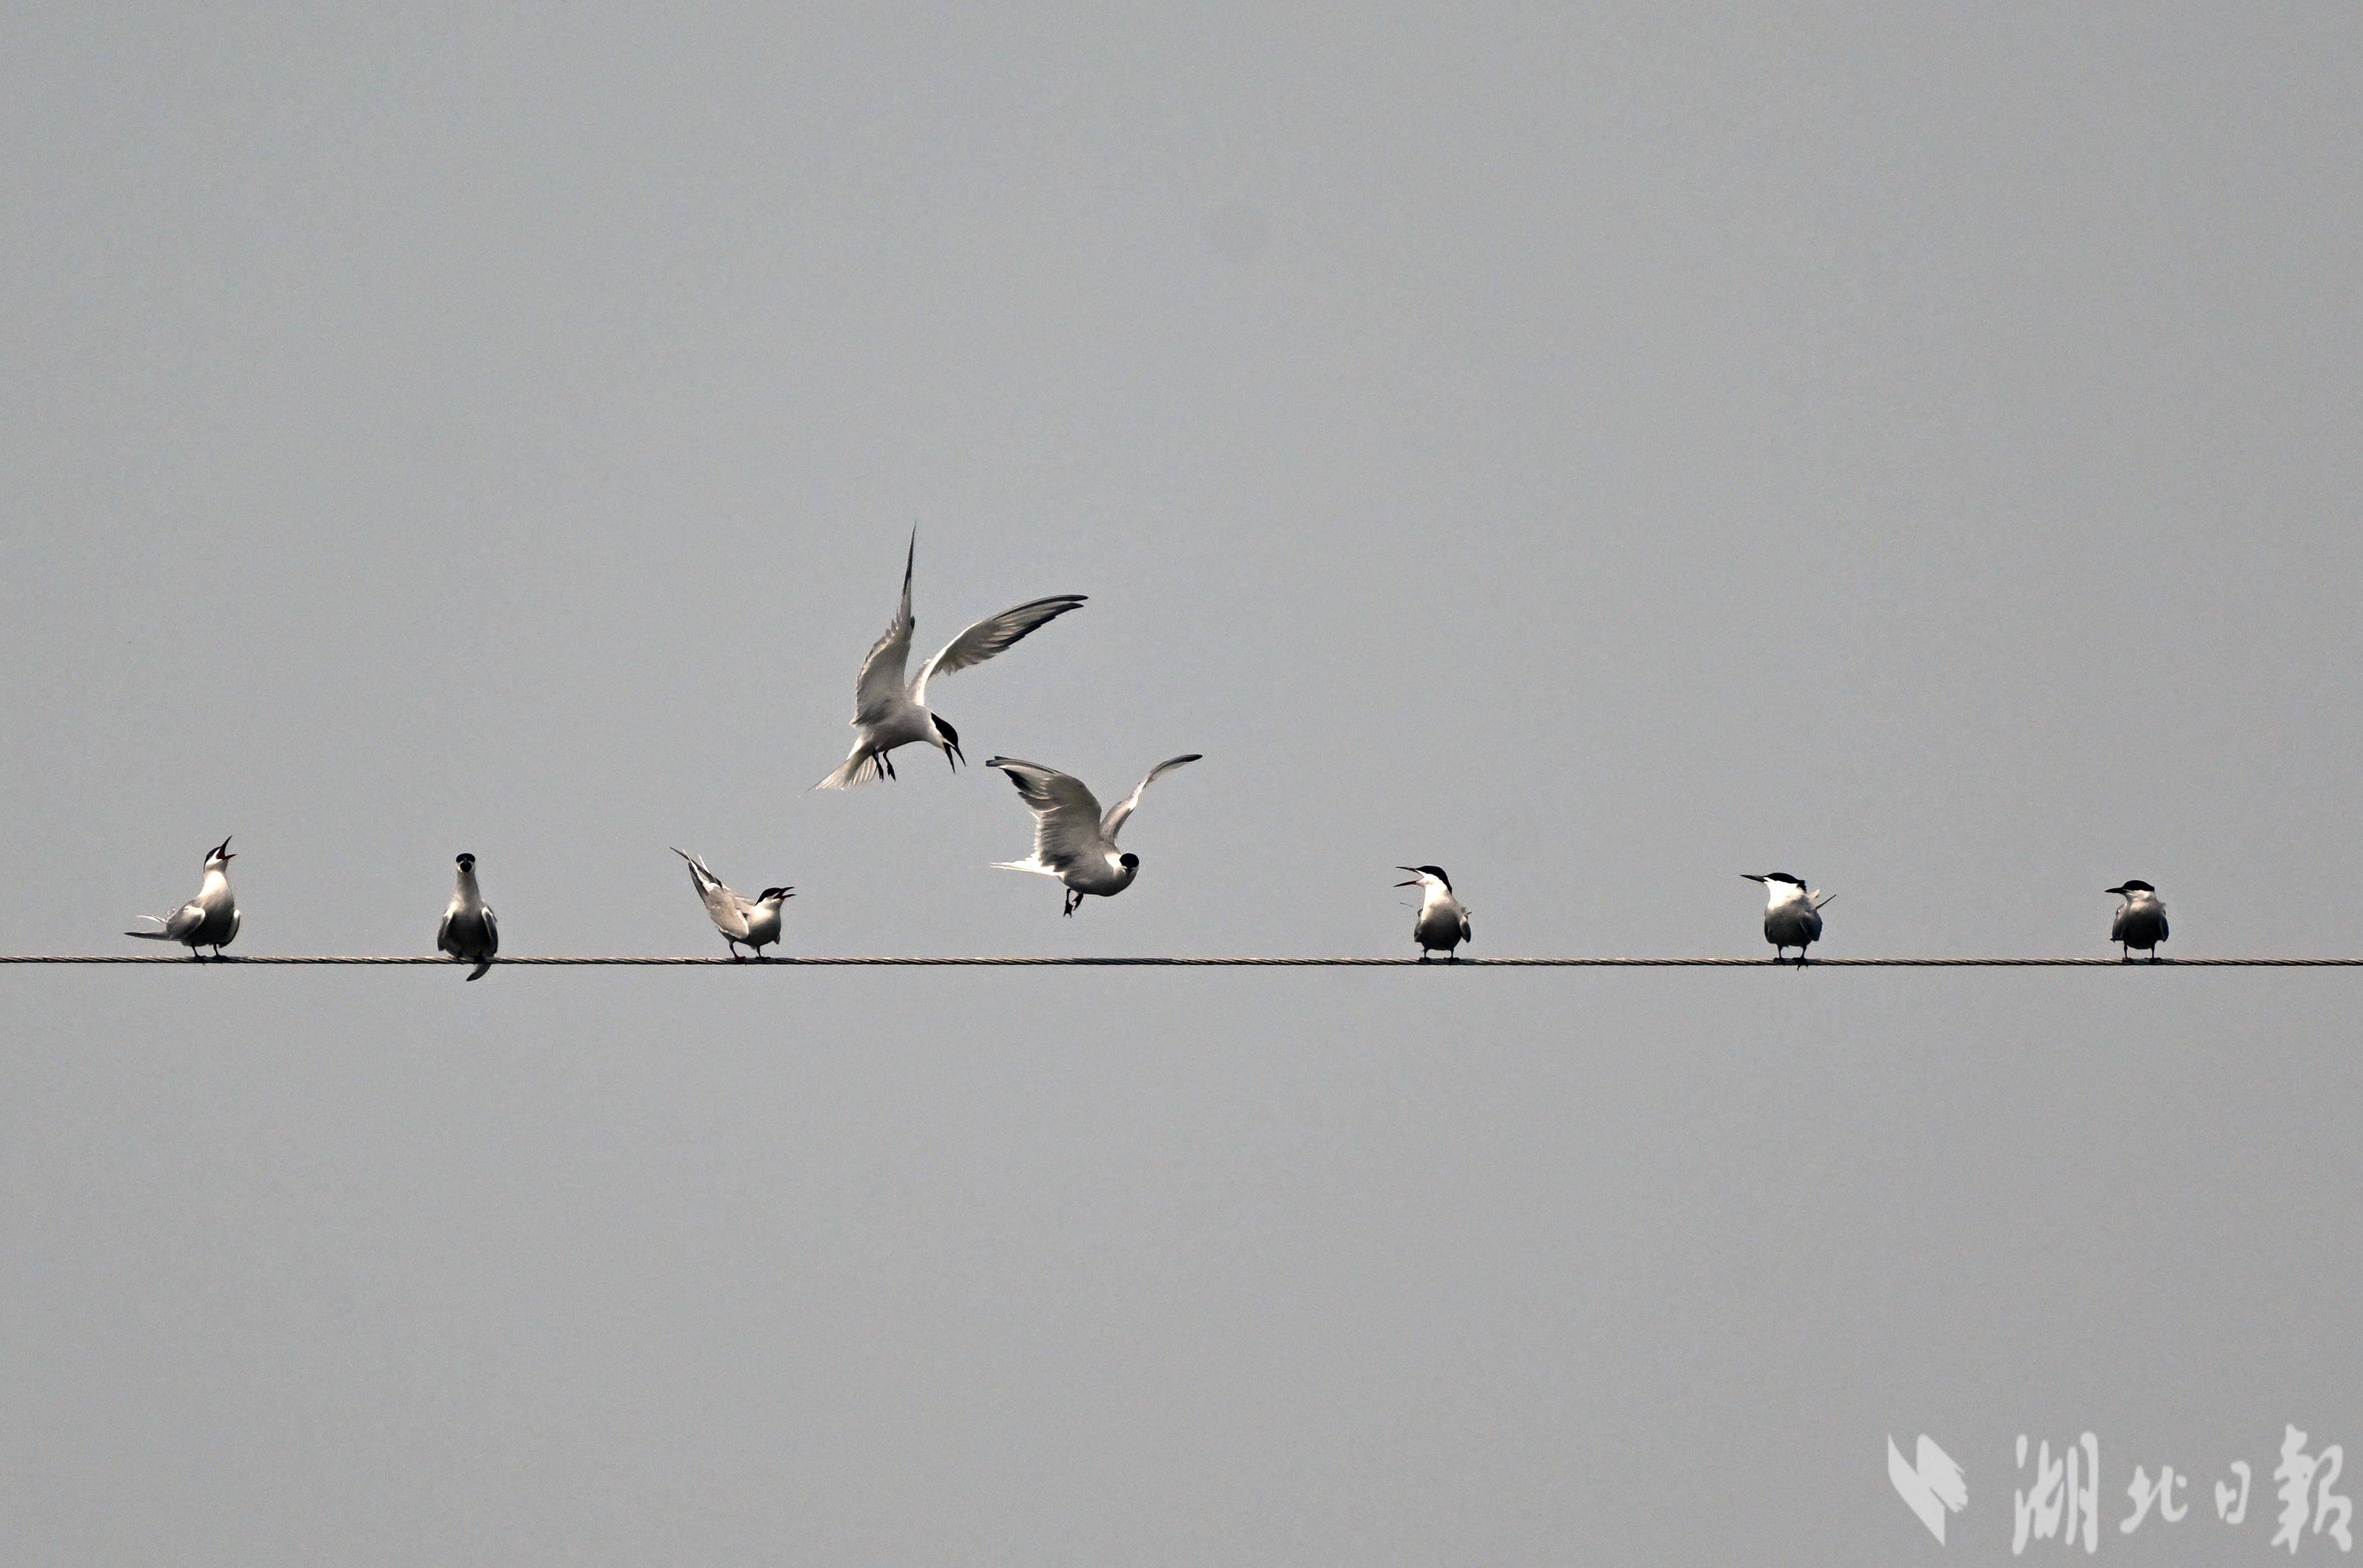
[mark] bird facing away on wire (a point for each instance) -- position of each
(755, 921)
(1792, 916)
(209, 919)
(469, 931)
(2140, 922)
(890, 712)
(1072, 840)
(1443, 924)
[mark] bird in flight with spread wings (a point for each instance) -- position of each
(891, 710)
(1072, 840)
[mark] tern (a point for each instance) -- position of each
(753, 922)
(1072, 840)
(2140, 922)
(1442, 922)
(1792, 916)
(889, 712)
(469, 931)
(209, 919)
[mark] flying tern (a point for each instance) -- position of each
(1792, 916)
(469, 931)
(1443, 924)
(890, 712)
(1072, 840)
(209, 919)
(755, 921)
(2140, 922)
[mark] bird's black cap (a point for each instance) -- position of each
(466, 860)
(2139, 887)
(1783, 877)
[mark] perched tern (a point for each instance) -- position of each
(1442, 924)
(209, 919)
(2140, 922)
(753, 922)
(1072, 840)
(1792, 916)
(469, 931)
(888, 712)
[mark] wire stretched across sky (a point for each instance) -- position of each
(617, 961)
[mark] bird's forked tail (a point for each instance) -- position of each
(861, 768)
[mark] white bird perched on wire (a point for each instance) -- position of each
(755, 921)
(469, 931)
(888, 712)
(1072, 840)
(209, 919)
(1442, 924)
(2140, 922)
(1792, 916)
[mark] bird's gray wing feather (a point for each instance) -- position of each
(726, 909)
(1121, 812)
(881, 681)
(1066, 813)
(994, 635)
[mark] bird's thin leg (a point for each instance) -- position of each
(1423, 954)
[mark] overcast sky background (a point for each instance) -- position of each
(1917, 448)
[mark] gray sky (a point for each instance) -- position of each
(1916, 448)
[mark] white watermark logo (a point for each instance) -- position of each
(2059, 1501)
(1932, 1487)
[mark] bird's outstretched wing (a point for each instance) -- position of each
(1066, 813)
(881, 681)
(726, 909)
(1121, 812)
(443, 935)
(990, 636)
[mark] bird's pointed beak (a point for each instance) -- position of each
(1406, 884)
(1749, 876)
